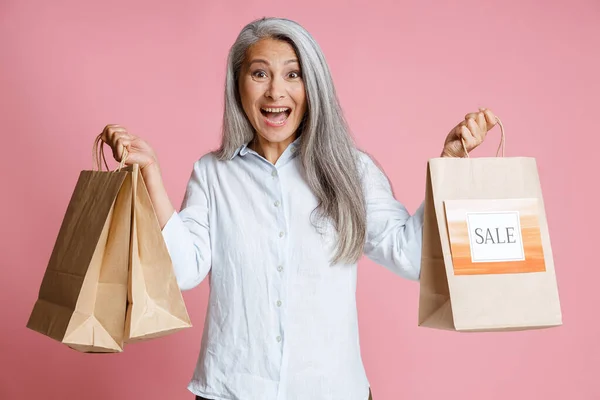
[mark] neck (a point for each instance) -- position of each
(271, 151)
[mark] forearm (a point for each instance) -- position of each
(398, 245)
(158, 194)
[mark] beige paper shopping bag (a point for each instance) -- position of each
(110, 279)
(487, 260)
(156, 307)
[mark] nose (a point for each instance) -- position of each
(276, 89)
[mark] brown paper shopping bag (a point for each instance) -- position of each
(83, 296)
(87, 292)
(487, 261)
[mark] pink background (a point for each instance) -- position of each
(406, 73)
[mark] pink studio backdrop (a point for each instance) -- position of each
(406, 73)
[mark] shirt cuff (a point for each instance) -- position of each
(173, 229)
(413, 253)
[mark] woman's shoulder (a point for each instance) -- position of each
(206, 161)
(370, 171)
(365, 162)
(203, 168)
(207, 158)
(211, 165)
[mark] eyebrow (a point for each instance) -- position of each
(261, 61)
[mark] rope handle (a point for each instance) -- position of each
(99, 157)
(501, 146)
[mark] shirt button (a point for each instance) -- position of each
(274, 173)
(281, 234)
(277, 203)
(280, 268)
(279, 338)
(278, 303)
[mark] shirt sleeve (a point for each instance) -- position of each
(394, 237)
(187, 234)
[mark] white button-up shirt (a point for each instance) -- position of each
(281, 321)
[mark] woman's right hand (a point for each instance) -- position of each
(139, 152)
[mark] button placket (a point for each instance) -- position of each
(279, 280)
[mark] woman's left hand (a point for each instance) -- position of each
(472, 130)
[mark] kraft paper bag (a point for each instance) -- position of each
(487, 260)
(109, 279)
(156, 307)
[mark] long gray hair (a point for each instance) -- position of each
(328, 153)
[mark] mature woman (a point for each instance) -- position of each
(279, 216)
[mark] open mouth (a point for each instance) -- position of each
(276, 116)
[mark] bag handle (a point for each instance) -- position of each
(501, 146)
(98, 155)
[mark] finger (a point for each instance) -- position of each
(119, 136)
(122, 130)
(110, 131)
(490, 119)
(481, 122)
(476, 132)
(470, 115)
(121, 144)
(458, 129)
(479, 117)
(110, 128)
(118, 152)
(465, 134)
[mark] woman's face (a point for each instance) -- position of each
(272, 91)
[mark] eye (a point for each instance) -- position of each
(260, 74)
(294, 75)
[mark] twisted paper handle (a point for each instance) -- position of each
(98, 155)
(501, 146)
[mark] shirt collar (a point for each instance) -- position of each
(241, 151)
(244, 149)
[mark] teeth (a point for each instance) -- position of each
(275, 110)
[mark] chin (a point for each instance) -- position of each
(276, 138)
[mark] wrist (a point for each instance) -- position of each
(150, 171)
